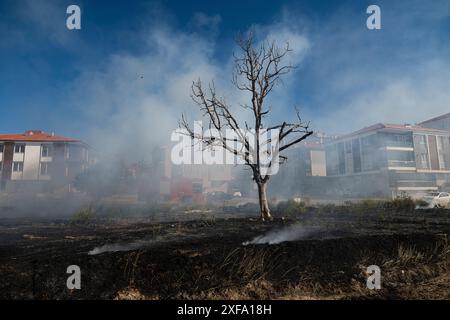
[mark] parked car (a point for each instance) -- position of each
(437, 199)
(218, 196)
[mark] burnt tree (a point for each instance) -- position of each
(258, 69)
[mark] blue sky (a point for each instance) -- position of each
(126, 74)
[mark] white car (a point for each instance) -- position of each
(437, 199)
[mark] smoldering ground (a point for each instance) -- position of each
(291, 233)
(210, 262)
(121, 247)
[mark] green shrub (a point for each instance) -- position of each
(330, 208)
(401, 204)
(371, 205)
(290, 208)
(422, 203)
(392, 205)
(207, 219)
(84, 216)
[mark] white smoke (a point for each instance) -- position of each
(291, 233)
(131, 99)
(120, 247)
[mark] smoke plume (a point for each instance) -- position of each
(291, 233)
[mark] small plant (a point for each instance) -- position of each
(371, 204)
(378, 205)
(207, 219)
(422, 203)
(401, 204)
(290, 208)
(328, 208)
(84, 216)
(249, 264)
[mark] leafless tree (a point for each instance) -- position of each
(258, 69)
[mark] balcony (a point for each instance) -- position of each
(401, 164)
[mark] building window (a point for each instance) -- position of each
(423, 160)
(356, 150)
(399, 140)
(401, 158)
(17, 166)
(348, 157)
(443, 147)
(440, 150)
(369, 153)
(1, 165)
(1, 148)
(44, 168)
(19, 148)
(421, 150)
(341, 157)
(45, 151)
(332, 160)
(422, 140)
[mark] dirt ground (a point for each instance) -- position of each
(326, 257)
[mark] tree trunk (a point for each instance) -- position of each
(263, 203)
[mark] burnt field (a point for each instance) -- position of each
(317, 255)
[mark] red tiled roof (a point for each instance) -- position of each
(35, 135)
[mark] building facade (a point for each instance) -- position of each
(303, 173)
(164, 181)
(441, 122)
(389, 160)
(35, 161)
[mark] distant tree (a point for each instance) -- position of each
(258, 69)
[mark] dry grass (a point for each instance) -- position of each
(218, 266)
(249, 264)
(131, 293)
(408, 274)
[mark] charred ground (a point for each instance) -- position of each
(205, 258)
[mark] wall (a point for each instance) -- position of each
(439, 123)
(318, 163)
(65, 162)
(8, 149)
(31, 161)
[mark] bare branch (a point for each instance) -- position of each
(257, 70)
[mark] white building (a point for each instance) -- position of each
(39, 161)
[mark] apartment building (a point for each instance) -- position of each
(164, 181)
(304, 172)
(389, 160)
(36, 161)
(442, 122)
